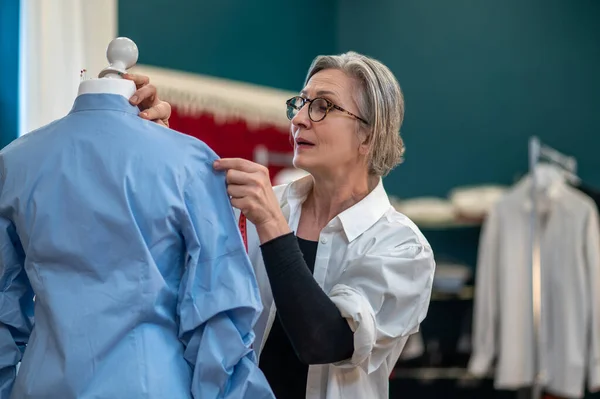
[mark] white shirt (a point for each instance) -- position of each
(377, 267)
(570, 269)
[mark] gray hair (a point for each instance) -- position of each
(380, 102)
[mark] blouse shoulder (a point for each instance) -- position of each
(402, 230)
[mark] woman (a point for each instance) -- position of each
(345, 279)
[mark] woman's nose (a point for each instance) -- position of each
(301, 119)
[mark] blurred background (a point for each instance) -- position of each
(480, 79)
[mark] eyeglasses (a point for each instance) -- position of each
(318, 108)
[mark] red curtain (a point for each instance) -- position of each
(233, 138)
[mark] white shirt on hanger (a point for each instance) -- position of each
(378, 269)
(570, 308)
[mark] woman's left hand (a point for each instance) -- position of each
(146, 98)
(250, 188)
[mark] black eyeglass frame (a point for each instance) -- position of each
(330, 106)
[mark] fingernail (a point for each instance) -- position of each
(143, 115)
(216, 164)
(134, 99)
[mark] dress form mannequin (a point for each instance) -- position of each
(123, 291)
(122, 54)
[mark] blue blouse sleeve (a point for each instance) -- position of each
(16, 305)
(219, 300)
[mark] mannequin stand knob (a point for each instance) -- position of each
(122, 54)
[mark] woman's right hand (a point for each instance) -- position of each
(251, 192)
(146, 98)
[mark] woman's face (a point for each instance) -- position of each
(331, 146)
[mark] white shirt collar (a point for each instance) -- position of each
(355, 220)
(523, 191)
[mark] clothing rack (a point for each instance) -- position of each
(540, 152)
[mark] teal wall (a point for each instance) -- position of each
(267, 42)
(479, 77)
(9, 71)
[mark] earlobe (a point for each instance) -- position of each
(363, 149)
(365, 146)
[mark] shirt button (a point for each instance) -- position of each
(324, 240)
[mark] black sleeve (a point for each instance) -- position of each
(314, 325)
